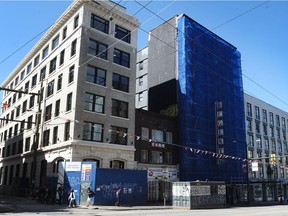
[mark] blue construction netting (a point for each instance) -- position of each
(209, 71)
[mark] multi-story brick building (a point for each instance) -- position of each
(84, 68)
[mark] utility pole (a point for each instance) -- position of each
(36, 137)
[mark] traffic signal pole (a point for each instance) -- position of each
(36, 137)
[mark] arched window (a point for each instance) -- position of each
(56, 165)
(116, 164)
(93, 160)
(43, 171)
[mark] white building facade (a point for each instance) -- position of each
(84, 69)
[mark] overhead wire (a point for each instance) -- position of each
(193, 40)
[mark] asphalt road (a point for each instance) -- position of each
(26, 207)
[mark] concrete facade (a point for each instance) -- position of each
(266, 138)
(72, 128)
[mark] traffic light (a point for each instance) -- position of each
(273, 158)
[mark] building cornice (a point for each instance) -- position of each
(68, 13)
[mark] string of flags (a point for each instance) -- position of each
(156, 143)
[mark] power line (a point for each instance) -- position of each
(230, 20)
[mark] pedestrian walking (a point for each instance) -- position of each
(60, 195)
(71, 199)
(118, 194)
(90, 194)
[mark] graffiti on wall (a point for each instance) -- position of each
(109, 190)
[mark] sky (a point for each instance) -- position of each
(259, 30)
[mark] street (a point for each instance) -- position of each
(25, 210)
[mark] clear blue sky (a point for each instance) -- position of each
(261, 35)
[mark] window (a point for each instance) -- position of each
(26, 87)
(15, 129)
(62, 56)
(64, 33)
(57, 108)
(121, 58)
(73, 47)
(67, 131)
(76, 21)
(271, 132)
(71, 74)
(34, 81)
(22, 75)
(273, 145)
(144, 133)
(16, 81)
(249, 110)
(93, 132)
(251, 140)
(144, 156)
(22, 126)
(96, 75)
(94, 103)
(141, 81)
(55, 135)
(18, 108)
(271, 118)
(32, 101)
(116, 164)
(97, 49)
(29, 68)
(257, 112)
(156, 157)
(69, 102)
(265, 129)
(141, 96)
(119, 108)
(29, 122)
(250, 154)
(24, 106)
(140, 64)
(45, 52)
(284, 135)
(169, 137)
(157, 135)
(120, 82)
(280, 146)
(119, 135)
(14, 98)
(20, 94)
(277, 121)
(55, 42)
(10, 132)
(46, 136)
(99, 23)
(259, 142)
(282, 120)
(50, 88)
(249, 125)
(42, 73)
(36, 60)
(169, 157)
(48, 112)
(257, 127)
(278, 133)
(266, 143)
(122, 34)
(264, 115)
(20, 147)
(53, 64)
(59, 82)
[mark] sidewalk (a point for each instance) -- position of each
(18, 204)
